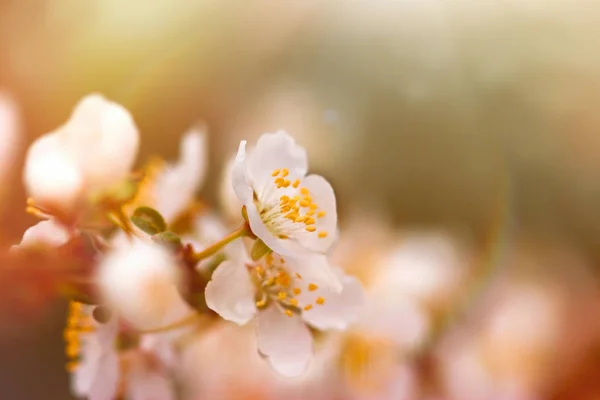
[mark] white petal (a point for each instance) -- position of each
(322, 195)
(230, 293)
(285, 341)
(176, 186)
(98, 373)
(51, 177)
(315, 269)
(229, 202)
(10, 133)
(140, 281)
(241, 185)
(274, 151)
(149, 385)
(103, 139)
(48, 233)
(340, 309)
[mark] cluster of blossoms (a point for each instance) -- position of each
(147, 267)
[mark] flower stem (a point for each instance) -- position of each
(119, 218)
(215, 247)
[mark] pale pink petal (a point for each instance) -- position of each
(285, 341)
(274, 151)
(45, 233)
(177, 185)
(149, 385)
(241, 185)
(230, 293)
(322, 194)
(315, 269)
(340, 309)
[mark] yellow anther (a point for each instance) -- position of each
(321, 214)
(282, 295)
(285, 172)
(73, 349)
(259, 271)
(278, 180)
(294, 302)
(261, 303)
(314, 206)
(310, 213)
(72, 366)
(296, 183)
(270, 282)
(320, 301)
(297, 291)
(304, 191)
(268, 258)
(284, 237)
(284, 198)
(304, 203)
(307, 307)
(275, 172)
(308, 198)
(286, 183)
(322, 234)
(309, 221)
(300, 219)
(311, 228)
(312, 287)
(288, 313)
(295, 198)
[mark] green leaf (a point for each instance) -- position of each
(169, 239)
(259, 250)
(149, 220)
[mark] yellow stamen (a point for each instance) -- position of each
(304, 203)
(304, 191)
(286, 183)
(309, 221)
(307, 307)
(281, 295)
(294, 302)
(322, 234)
(314, 206)
(296, 183)
(312, 287)
(311, 228)
(72, 366)
(320, 301)
(275, 172)
(297, 291)
(288, 313)
(261, 303)
(285, 172)
(321, 214)
(310, 213)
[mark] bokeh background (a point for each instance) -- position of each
(476, 117)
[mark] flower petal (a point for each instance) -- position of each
(10, 133)
(177, 184)
(274, 151)
(103, 139)
(241, 186)
(285, 341)
(230, 293)
(315, 269)
(51, 177)
(48, 233)
(322, 194)
(146, 384)
(340, 309)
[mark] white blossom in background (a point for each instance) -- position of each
(96, 373)
(94, 150)
(10, 132)
(292, 213)
(139, 280)
(176, 185)
(291, 293)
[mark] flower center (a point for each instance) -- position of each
(277, 285)
(78, 323)
(287, 211)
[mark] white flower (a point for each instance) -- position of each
(177, 184)
(96, 375)
(289, 211)
(44, 233)
(94, 150)
(139, 280)
(285, 295)
(10, 130)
